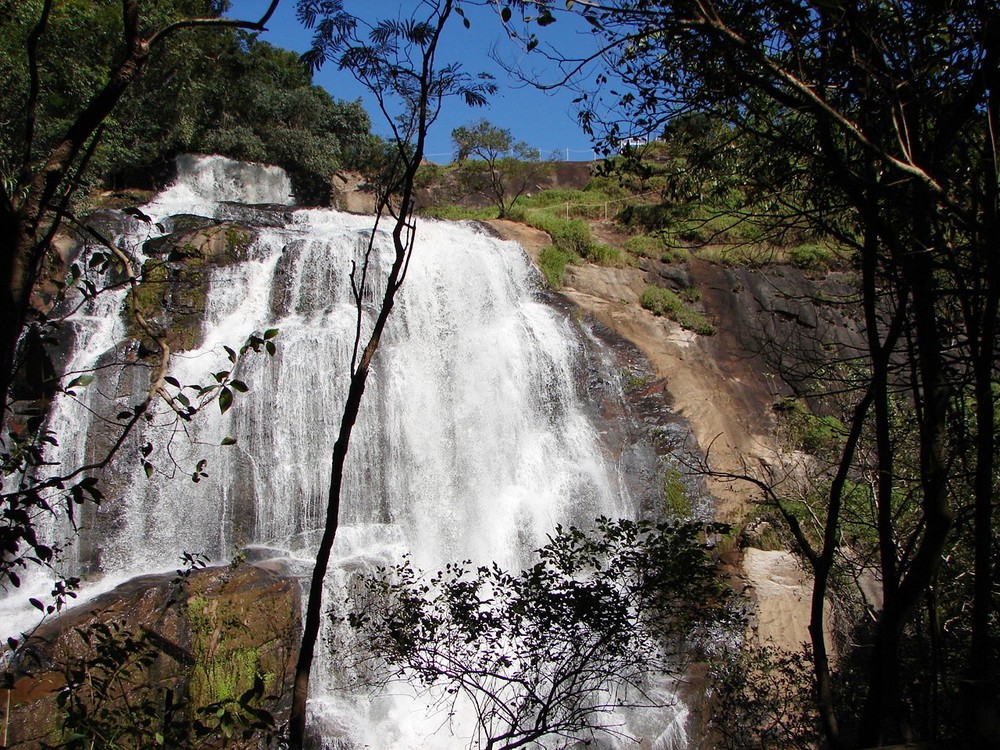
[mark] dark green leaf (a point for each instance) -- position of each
(81, 380)
(225, 400)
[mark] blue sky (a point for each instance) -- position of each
(544, 121)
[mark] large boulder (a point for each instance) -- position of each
(209, 634)
(171, 295)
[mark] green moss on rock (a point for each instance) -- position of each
(174, 281)
(211, 636)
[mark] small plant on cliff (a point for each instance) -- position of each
(555, 650)
(660, 301)
(807, 431)
(553, 261)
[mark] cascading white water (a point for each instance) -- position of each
(473, 442)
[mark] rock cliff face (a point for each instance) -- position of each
(212, 633)
(777, 328)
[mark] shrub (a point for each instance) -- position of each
(556, 650)
(656, 246)
(609, 187)
(650, 218)
(570, 235)
(660, 301)
(428, 174)
(553, 262)
(810, 432)
(812, 257)
(691, 294)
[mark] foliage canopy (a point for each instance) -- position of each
(557, 650)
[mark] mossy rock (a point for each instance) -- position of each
(212, 635)
(240, 628)
(174, 281)
(220, 243)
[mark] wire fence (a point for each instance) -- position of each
(566, 152)
(602, 206)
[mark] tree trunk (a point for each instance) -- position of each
(402, 236)
(931, 394)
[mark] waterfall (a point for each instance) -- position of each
(475, 436)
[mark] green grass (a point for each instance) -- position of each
(676, 503)
(591, 203)
(664, 302)
(605, 255)
(646, 246)
(553, 262)
(809, 256)
(450, 212)
(633, 381)
(814, 256)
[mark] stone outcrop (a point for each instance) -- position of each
(174, 280)
(777, 327)
(212, 632)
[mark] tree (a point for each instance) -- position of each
(233, 95)
(503, 168)
(396, 60)
(54, 130)
(554, 652)
(48, 162)
(882, 118)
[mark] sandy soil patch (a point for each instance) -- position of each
(783, 592)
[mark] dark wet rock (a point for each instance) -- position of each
(677, 275)
(256, 553)
(110, 223)
(174, 281)
(797, 324)
(219, 243)
(258, 215)
(186, 223)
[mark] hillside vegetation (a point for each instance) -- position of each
(669, 201)
(213, 91)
